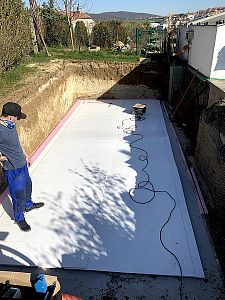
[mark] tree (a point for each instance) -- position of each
(107, 33)
(117, 31)
(37, 25)
(15, 34)
(101, 35)
(81, 34)
(68, 5)
(69, 10)
(56, 31)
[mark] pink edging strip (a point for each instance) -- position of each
(45, 143)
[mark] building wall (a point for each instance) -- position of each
(182, 41)
(89, 24)
(202, 48)
(208, 125)
(176, 81)
(218, 62)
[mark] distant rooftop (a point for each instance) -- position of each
(80, 15)
(210, 19)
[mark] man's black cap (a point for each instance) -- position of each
(13, 109)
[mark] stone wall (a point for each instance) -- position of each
(202, 113)
(217, 92)
(210, 151)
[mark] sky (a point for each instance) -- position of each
(158, 7)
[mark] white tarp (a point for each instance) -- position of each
(89, 221)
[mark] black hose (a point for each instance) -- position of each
(143, 185)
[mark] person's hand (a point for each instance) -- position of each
(29, 162)
(2, 157)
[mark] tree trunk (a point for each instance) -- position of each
(37, 26)
(33, 35)
(68, 9)
(71, 32)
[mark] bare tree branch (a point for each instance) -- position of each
(87, 11)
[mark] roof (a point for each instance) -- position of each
(80, 15)
(210, 19)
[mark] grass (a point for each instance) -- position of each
(12, 79)
(67, 54)
(100, 56)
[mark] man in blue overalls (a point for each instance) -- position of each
(15, 163)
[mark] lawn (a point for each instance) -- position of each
(68, 54)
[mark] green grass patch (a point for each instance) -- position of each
(67, 54)
(11, 79)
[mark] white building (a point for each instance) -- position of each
(154, 25)
(83, 17)
(206, 42)
(190, 16)
(207, 50)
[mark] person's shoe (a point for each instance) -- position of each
(35, 205)
(23, 225)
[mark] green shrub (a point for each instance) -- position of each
(15, 34)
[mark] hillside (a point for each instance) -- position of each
(121, 15)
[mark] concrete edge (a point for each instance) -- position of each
(207, 252)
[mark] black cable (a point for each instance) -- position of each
(142, 185)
